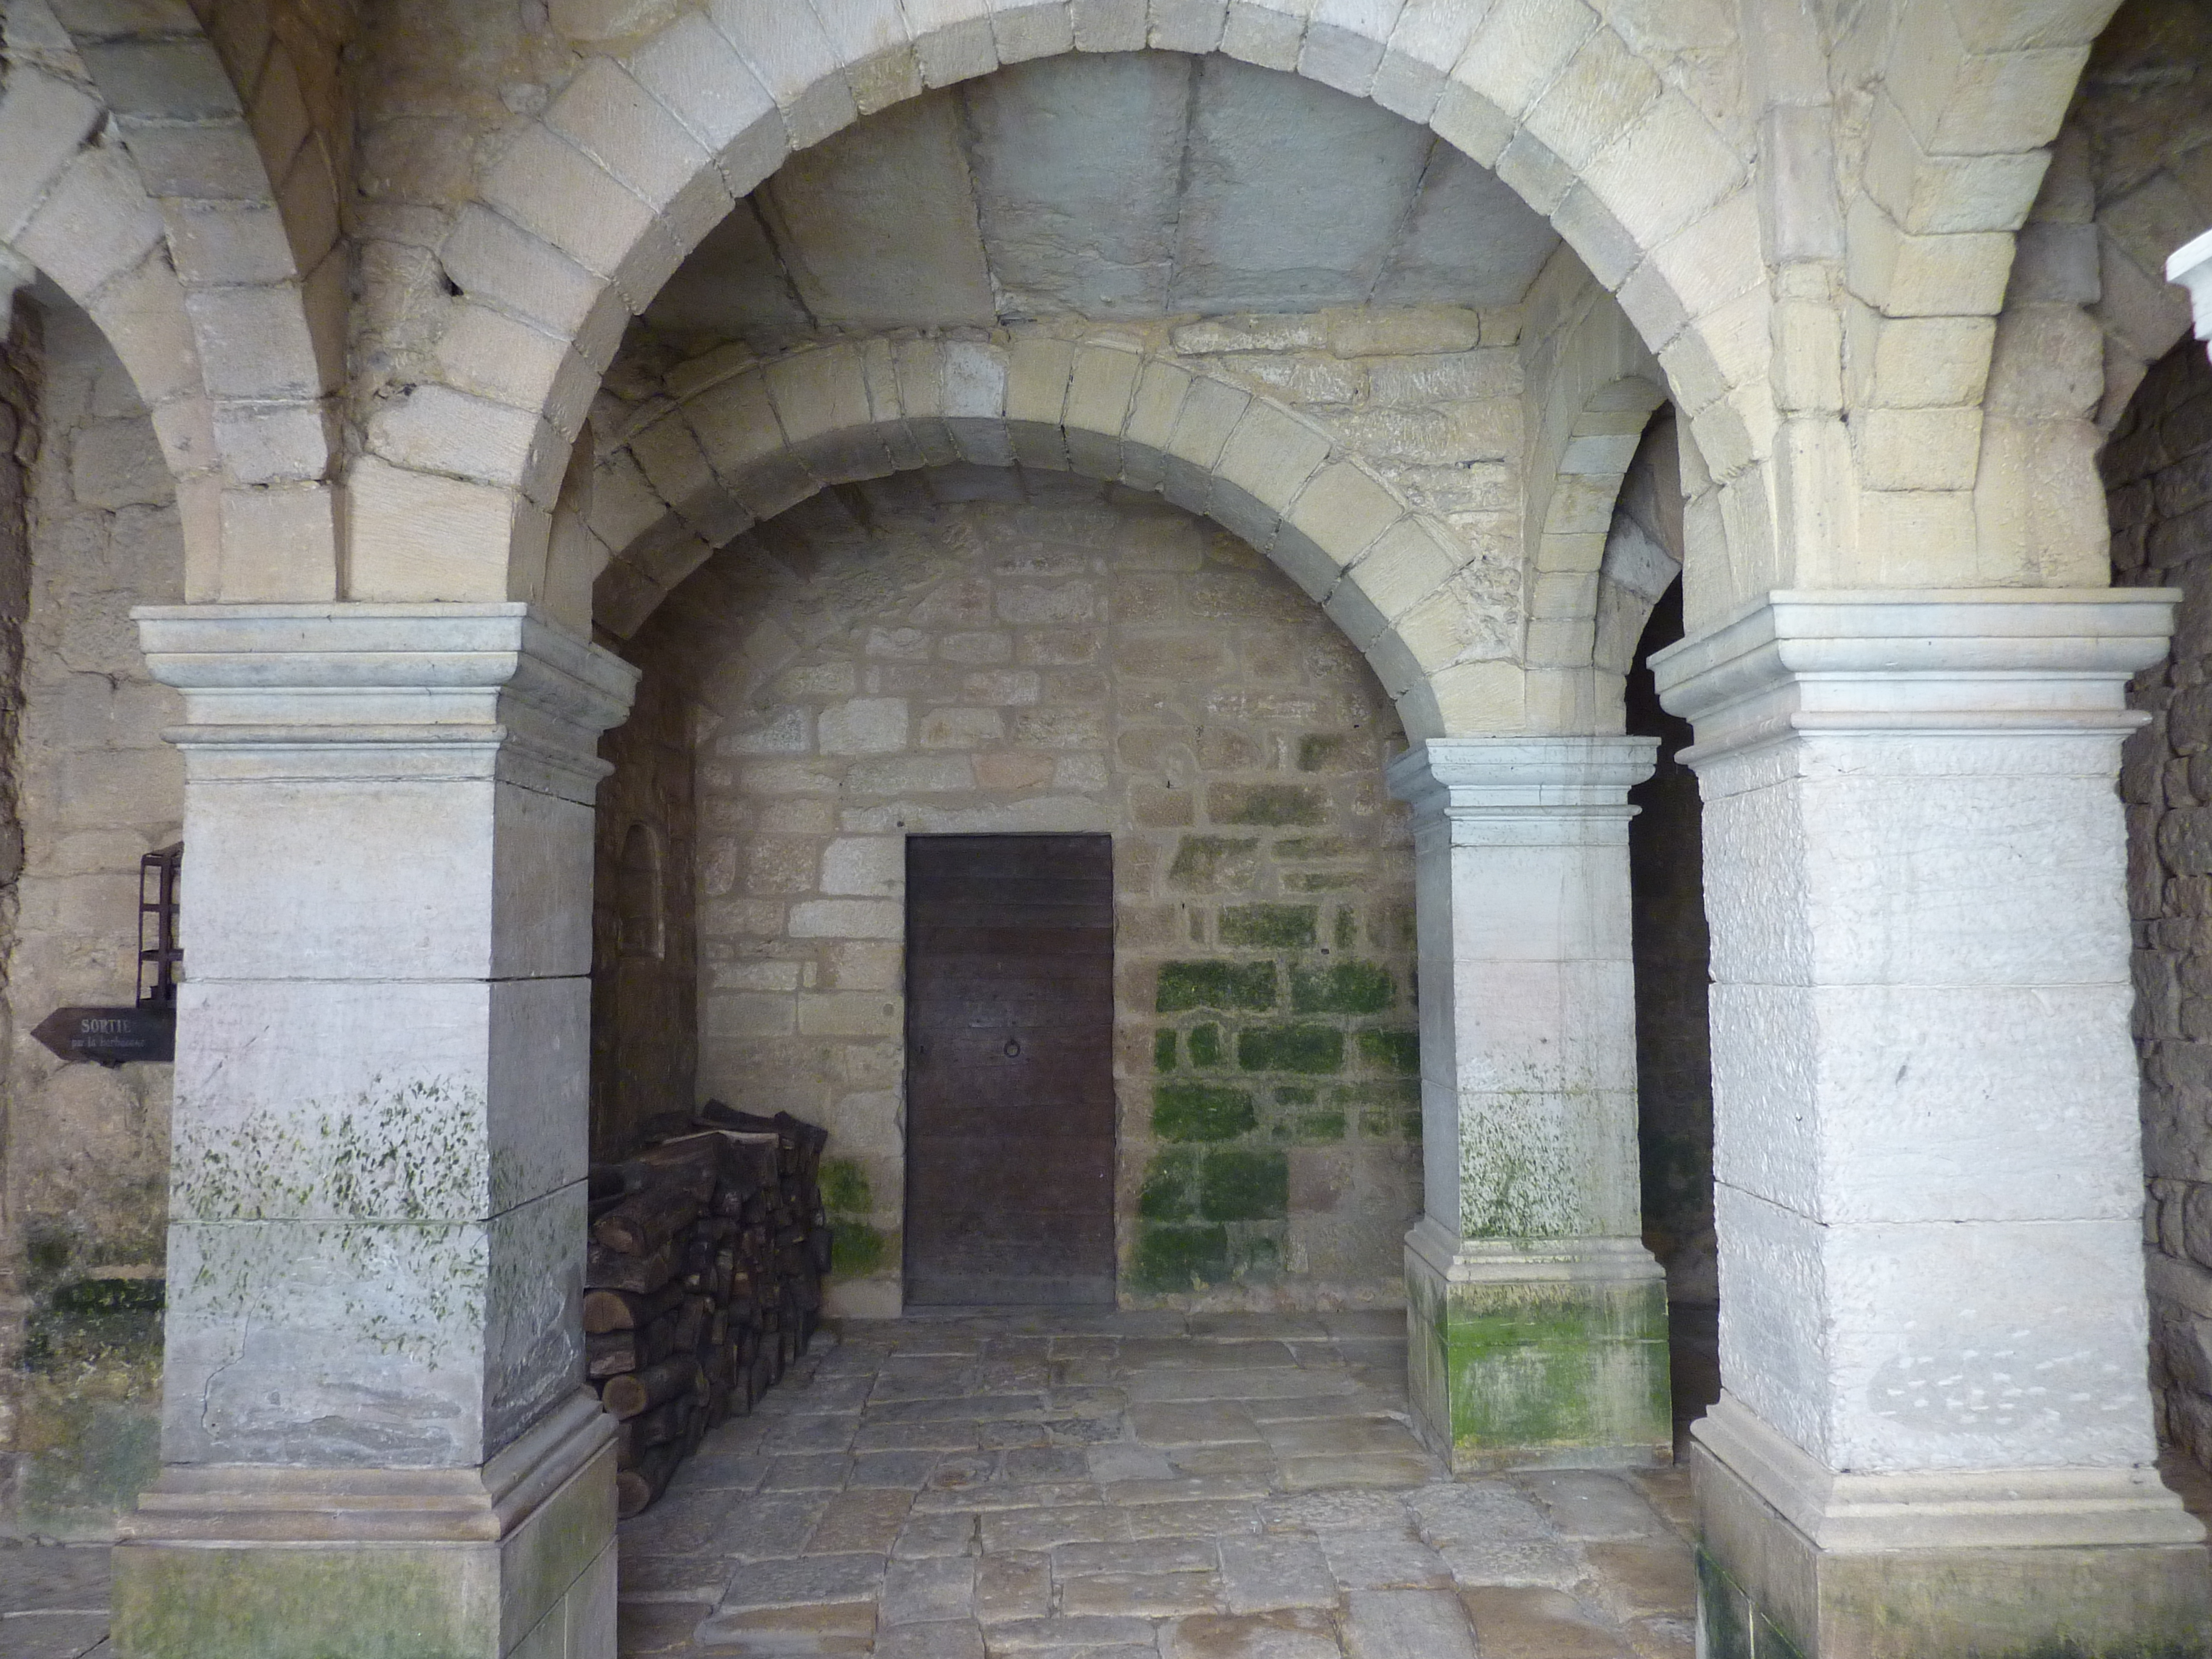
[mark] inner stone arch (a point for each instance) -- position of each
(974, 649)
(1284, 307)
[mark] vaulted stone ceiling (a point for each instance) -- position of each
(1109, 186)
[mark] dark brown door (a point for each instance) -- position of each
(1010, 1069)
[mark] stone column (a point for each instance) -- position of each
(1936, 1436)
(375, 1437)
(1537, 1319)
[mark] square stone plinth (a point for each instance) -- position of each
(1555, 1360)
(2089, 1564)
(516, 1559)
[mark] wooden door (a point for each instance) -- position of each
(1010, 1069)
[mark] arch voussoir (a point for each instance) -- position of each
(589, 207)
(194, 224)
(743, 448)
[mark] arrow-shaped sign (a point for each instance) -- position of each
(110, 1035)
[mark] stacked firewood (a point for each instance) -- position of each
(703, 1280)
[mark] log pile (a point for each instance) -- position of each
(702, 1282)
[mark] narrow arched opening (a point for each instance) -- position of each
(89, 528)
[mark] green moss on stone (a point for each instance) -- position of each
(1345, 987)
(1317, 751)
(1393, 1051)
(1275, 804)
(857, 1249)
(845, 1189)
(1296, 1094)
(1269, 927)
(377, 1602)
(1309, 1048)
(1166, 1193)
(1245, 1185)
(1227, 985)
(1395, 1093)
(1205, 1045)
(1206, 864)
(1532, 1366)
(1324, 881)
(47, 1251)
(1294, 848)
(1179, 1258)
(109, 1296)
(1163, 1051)
(1347, 927)
(1315, 1127)
(85, 1460)
(1254, 1252)
(1201, 1111)
(88, 1406)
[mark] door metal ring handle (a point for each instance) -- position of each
(1013, 1048)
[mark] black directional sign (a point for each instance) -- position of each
(110, 1035)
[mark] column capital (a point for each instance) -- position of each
(417, 690)
(1455, 777)
(2191, 265)
(2013, 661)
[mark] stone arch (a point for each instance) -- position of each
(740, 449)
(589, 209)
(1599, 385)
(1574, 551)
(1643, 557)
(2113, 210)
(2087, 307)
(142, 184)
(1940, 167)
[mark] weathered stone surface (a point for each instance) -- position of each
(1262, 1573)
(1147, 1595)
(1383, 1560)
(1383, 1624)
(1299, 1635)
(949, 1639)
(1033, 673)
(1012, 1588)
(922, 1591)
(806, 1582)
(1542, 1624)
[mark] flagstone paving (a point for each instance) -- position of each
(1108, 1486)
(1137, 1485)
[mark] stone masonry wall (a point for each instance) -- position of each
(19, 436)
(87, 1148)
(2158, 468)
(986, 650)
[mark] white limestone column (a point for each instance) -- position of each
(374, 1417)
(1537, 1319)
(1936, 1430)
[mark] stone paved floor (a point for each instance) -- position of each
(1115, 1486)
(1126, 1487)
(1136, 1486)
(53, 1601)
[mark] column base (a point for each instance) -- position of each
(1528, 1357)
(513, 1560)
(1796, 1559)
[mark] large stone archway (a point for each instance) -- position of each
(1816, 291)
